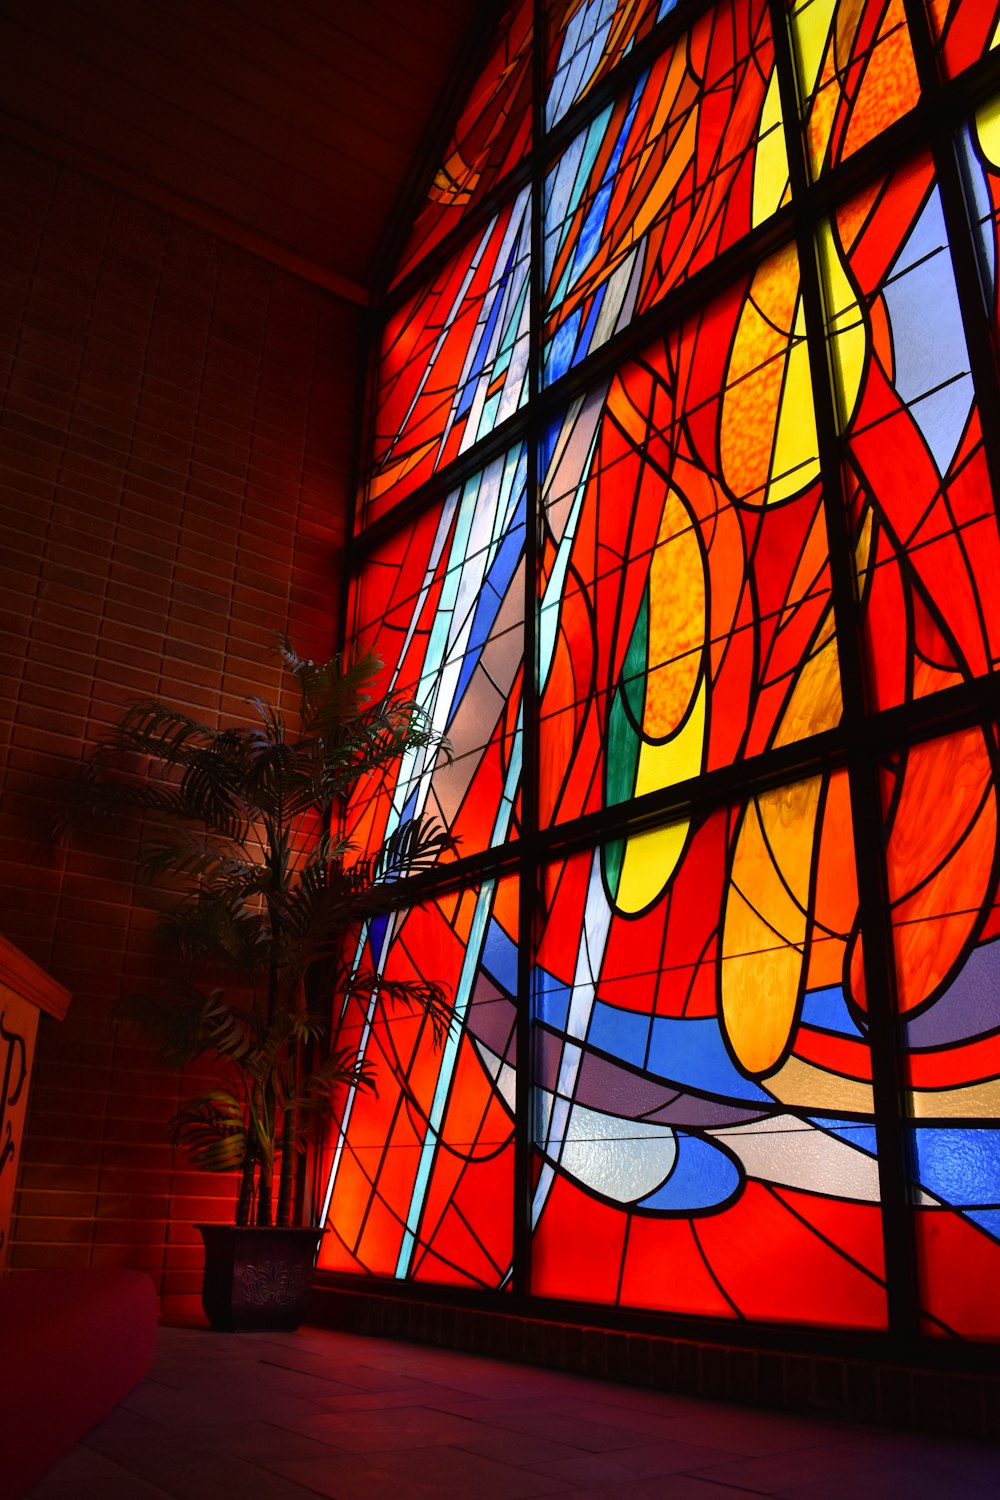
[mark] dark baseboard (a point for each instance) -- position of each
(842, 1386)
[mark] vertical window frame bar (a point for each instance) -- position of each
(879, 970)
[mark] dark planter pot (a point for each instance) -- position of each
(257, 1280)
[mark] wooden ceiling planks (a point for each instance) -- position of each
(291, 129)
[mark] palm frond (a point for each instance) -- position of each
(204, 857)
(414, 846)
(230, 1031)
(272, 730)
(343, 1066)
(157, 731)
(333, 693)
(220, 924)
(426, 995)
(97, 796)
(211, 1130)
(213, 785)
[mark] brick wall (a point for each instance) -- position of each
(176, 444)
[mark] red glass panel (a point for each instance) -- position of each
(492, 135)
(856, 73)
(453, 360)
(662, 180)
(965, 31)
(686, 619)
(443, 604)
(940, 815)
(703, 1094)
(420, 1174)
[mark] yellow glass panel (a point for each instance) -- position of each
(796, 460)
(847, 333)
(862, 551)
(810, 29)
(676, 621)
(648, 863)
(768, 429)
(678, 758)
(770, 168)
(988, 128)
(815, 701)
(765, 925)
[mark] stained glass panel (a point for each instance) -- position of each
(586, 39)
(940, 811)
(965, 31)
(856, 73)
(419, 1174)
(492, 135)
(703, 1097)
(928, 553)
(443, 604)
(662, 180)
(685, 614)
(979, 152)
(454, 359)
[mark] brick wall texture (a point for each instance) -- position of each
(177, 442)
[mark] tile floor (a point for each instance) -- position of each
(289, 1416)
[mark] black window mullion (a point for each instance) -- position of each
(879, 972)
(529, 868)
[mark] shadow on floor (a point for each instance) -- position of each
(289, 1416)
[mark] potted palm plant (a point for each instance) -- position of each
(241, 823)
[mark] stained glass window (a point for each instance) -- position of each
(856, 73)
(916, 469)
(665, 177)
(419, 1170)
(965, 30)
(586, 39)
(679, 518)
(442, 603)
(454, 359)
(490, 137)
(703, 1096)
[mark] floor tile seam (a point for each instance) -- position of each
(300, 1484)
(333, 1447)
(127, 1473)
(130, 1472)
(498, 1425)
(73, 1485)
(720, 1457)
